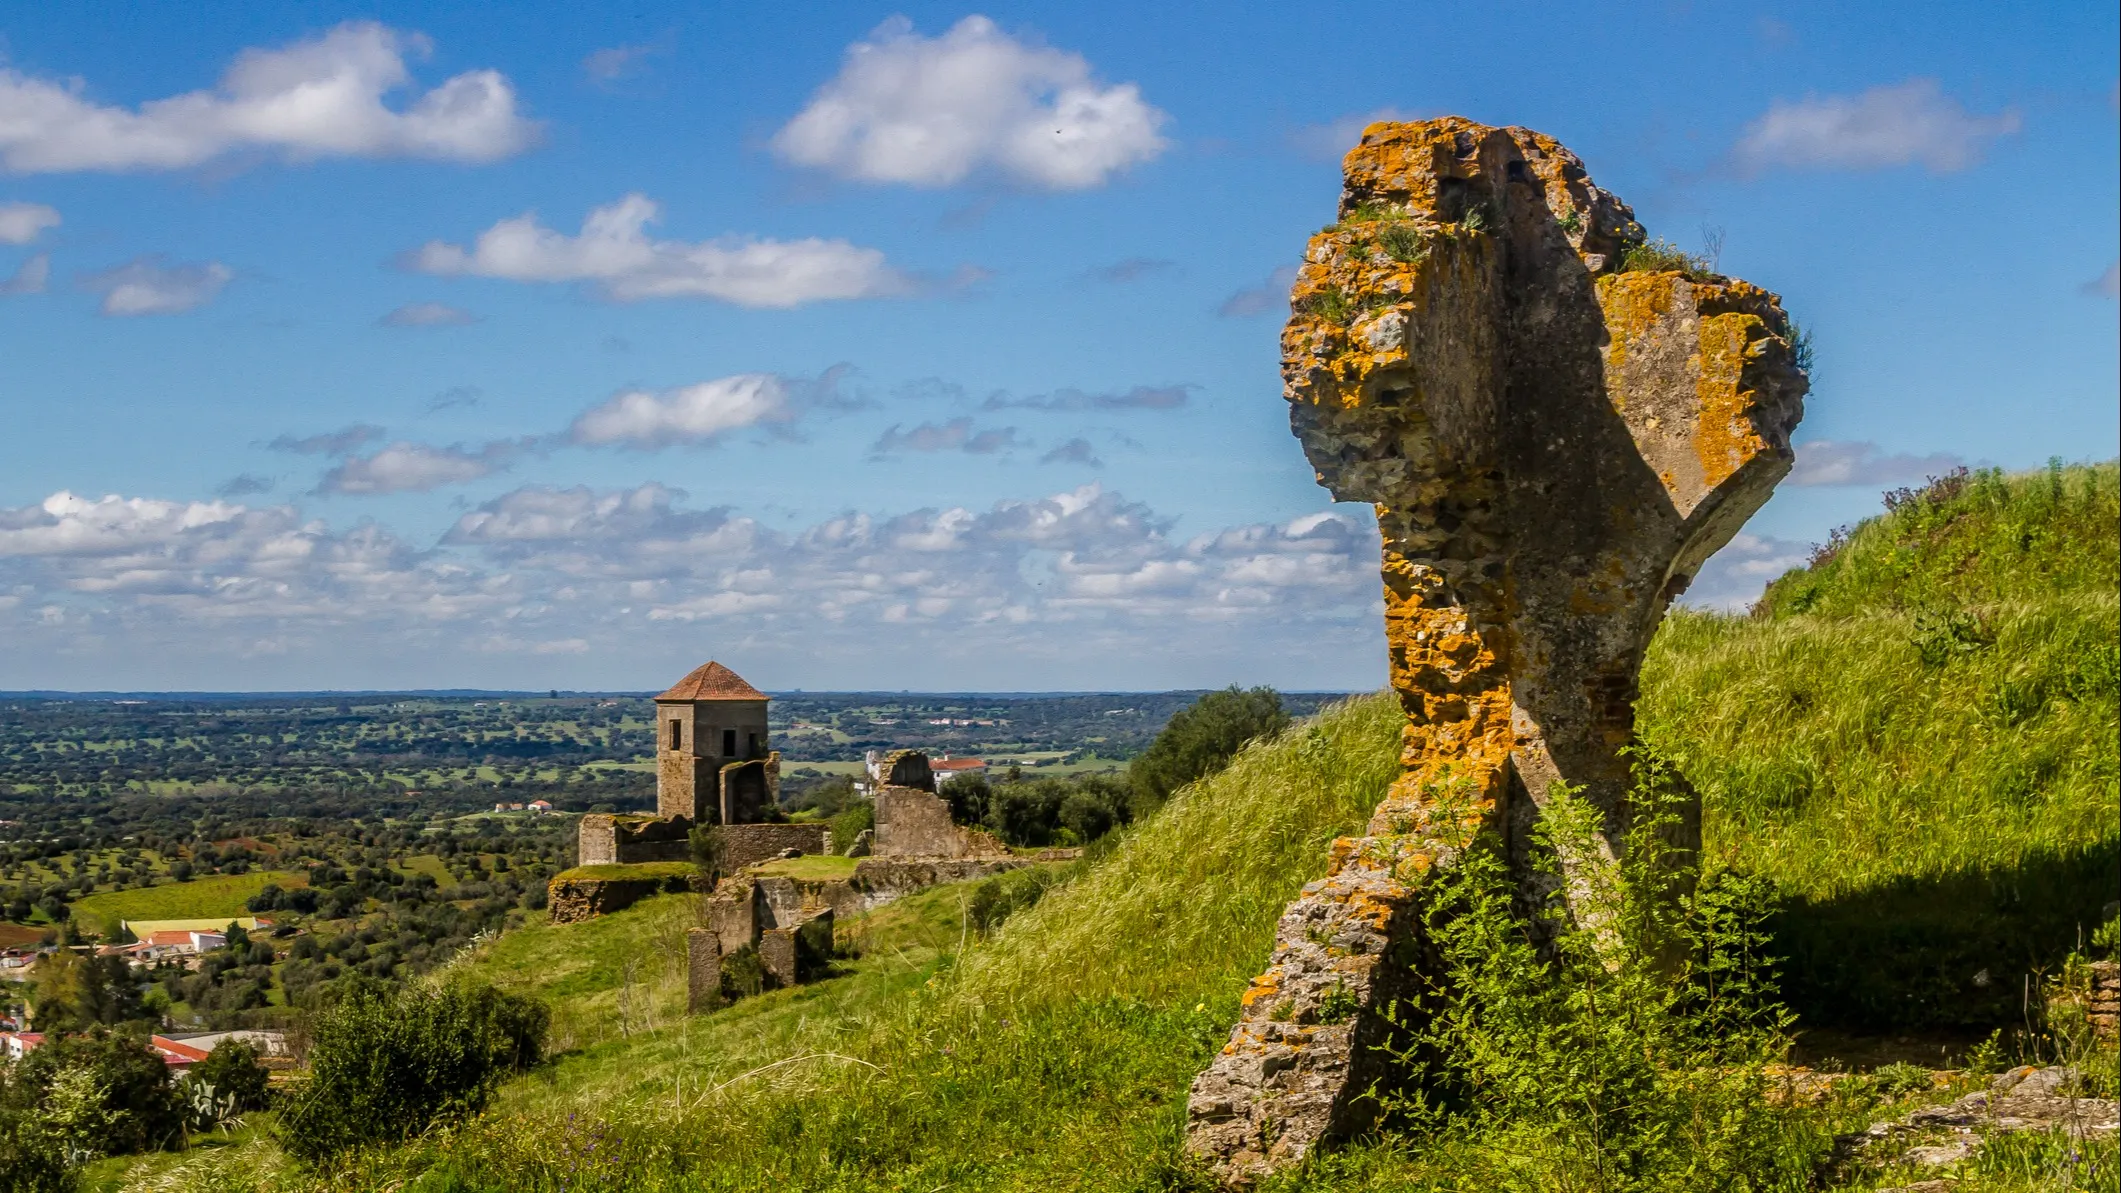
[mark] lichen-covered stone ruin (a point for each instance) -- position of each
(1555, 440)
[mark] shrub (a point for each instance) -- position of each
(1654, 256)
(383, 1065)
(104, 1093)
(1201, 738)
(851, 822)
(233, 1071)
(996, 899)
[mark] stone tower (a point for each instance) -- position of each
(712, 761)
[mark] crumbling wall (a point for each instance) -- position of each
(703, 970)
(1553, 447)
(576, 897)
(749, 844)
(605, 839)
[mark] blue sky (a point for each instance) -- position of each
(550, 346)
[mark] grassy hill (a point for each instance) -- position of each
(1910, 722)
(1915, 736)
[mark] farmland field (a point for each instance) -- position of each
(222, 894)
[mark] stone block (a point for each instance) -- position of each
(703, 970)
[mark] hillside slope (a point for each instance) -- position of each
(1916, 737)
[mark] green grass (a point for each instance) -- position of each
(811, 867)
(214, 895)
(630, 870)
(1916, 737)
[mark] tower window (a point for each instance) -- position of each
(677, 735)
(754, 752)
(728, 743)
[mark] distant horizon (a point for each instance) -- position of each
(567, 693)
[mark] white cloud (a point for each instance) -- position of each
(614, 64)
(146, 286)
(932, 111)
(1075, 451)
(428, 314)
(351, 437)
(704, 412)
(1734, 577)
(319, 98)
(542, 568)
(1827, 462)
(21, 223)
(613, 252)
(1331, 140)
(417, 467)
(1883, 127)
(956, 435)
(30, 277)
(1141, 397)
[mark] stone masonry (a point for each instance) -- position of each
(1554, 445)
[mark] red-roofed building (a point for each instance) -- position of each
(18, 1044)
(176, 1053)
(949, 770)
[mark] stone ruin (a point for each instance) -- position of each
(1554, 444)
(712, 766)
(788, 921)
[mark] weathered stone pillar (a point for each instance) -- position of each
(703, 970)
(1553, 447)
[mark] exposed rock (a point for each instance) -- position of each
(2104, 1007)
(1553, 448)
(2024, 1099)
(863, 843)
(574, 896)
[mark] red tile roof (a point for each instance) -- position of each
(957, 764)
(176, 1052)
(712, 681)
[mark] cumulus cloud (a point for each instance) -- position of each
(319, 98)
(149, 286)
(613, 253)
(932, 111)
(1332, 139)
(404, 467)
(1270, 295)
(21, 223)
(956, 435)
(1130, 270)
(346, 439)
(1883, 127)
(428, 314)
(1075, 451)
(30, 277)
(2106, 285)
(1734, 577)
(705, 412)
(1141, 397)
(541, 568)
(1828, 462)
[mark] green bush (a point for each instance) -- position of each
(30, 1159)
(104, 1093)
(1201, 738)
(851, 822)
(385, 1064)
(234, 1072)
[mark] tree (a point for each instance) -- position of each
(110, 1088)
(75, 992)
(1202, 738)
(384, 1063)
(234, 1071)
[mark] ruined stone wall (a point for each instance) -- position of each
(703, 970)
(575, 899)
(1553, 448)
(912, 823)
(605, 839)
(749, 844)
